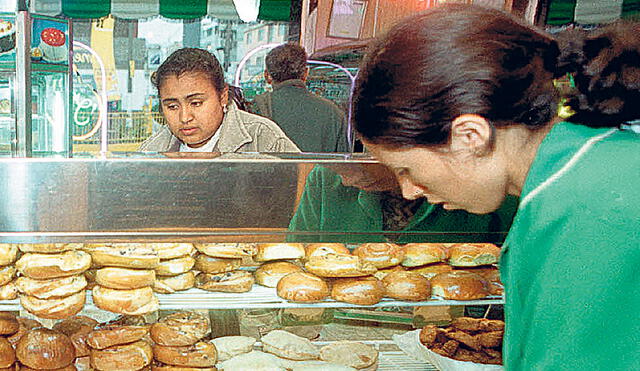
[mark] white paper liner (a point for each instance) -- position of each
(410, 343)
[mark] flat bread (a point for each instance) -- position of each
(349, 353)
(287, 345)
(231, 346)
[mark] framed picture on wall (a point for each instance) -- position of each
(347, 18)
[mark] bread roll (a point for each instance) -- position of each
(430, 270)
(269, 274)
(57, 308)
(318, 249)
(279, 251)
(47, 266)
(180, 329)
(48, 248)
(45, 349)
(126, 357)
(380, 255)
(302, 288)
(210, 264)
(381, 273)
(124, 278)
(174, 267)
(7, 354)
(417, 254)
(108, 335)
(349, 353)
(473, 254)
(169, 285)
(491, 275)
(236, 281)
(9, 291)
(70, 367)
(6, 274)
(359, 291)
(124, 255)
(459, 285)
(287, 345)
(25, 325)
(227, 250)
(172, 250)
(133, 302)
(230, 346)
(51, 288)
(335, 265)
(200, 354)
(9, 324)
(406, 286)
(8, 253)
(77, 328)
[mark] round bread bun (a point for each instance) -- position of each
(51, 288)
(417, 254)
(124, 278)
(108, 335)
(200, 354)
(279, 251)
(169, 285)
(58, 308)
(380, 255)
(180, 329)
(227, 250)
(26, 325)
(174, 267)
(48, 248)
(349, 353)
(71, 367)
(7, 354)
(47, 266)
(45, 349)
(302, 287)
(317, 249)
(210, 264)
(406, 286)
(430, 270)
(491, 275)
(236, 281)
(381, 273)
(269, 274)
(132, 302)
(336, 265)
(124, 255)
(473, 254)
(459, 285)
(6, 274)
(359, 291)
(77, 328)
(173, 250)
(8, 253)
(9, 324)
(9, 291)
(126, 357)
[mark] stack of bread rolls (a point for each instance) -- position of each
(178, 341)
(52, 284)
(121, 344)
(8, 256)
(77, 329)
(124, 278)
(9, 326)
(219, 265)
(174, 271)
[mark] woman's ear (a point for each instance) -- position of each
(471, 133)
(224, 96)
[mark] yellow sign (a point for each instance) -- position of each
(102, 43)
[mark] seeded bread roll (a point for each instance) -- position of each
(406, 286)
(180, 329)
(58, 308)
(459, 285)
(124, 278)
(279, 251)
(172, 250)
(269, 274)
(132, 302)
(335, 265)
(302, 287)
(108, 335)
(52, 288)
(200, 354)
(127, 357)
(417, 254)
(45, 349)
(210, 264)
(174, 267)
(47, 266)
(8, 253)
(236, 281)
(169, 285)
(380, 255)
(359, 291)
(227, 250)
(473, 254)
(49, 248)
(137, 256)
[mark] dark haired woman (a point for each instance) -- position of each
(459, 102)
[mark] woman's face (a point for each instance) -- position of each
(455, 179)
(192, 107)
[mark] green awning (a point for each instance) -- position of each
(590, 11)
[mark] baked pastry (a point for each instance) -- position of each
(302, 287)
(279, 251)
(180, 329)
(8, 253)
(317, 249)
(236, 281)
(359, 291)
(48, 248)
(380, 255)
(200, 354)
(25, 325)
(9, 291)
(335, 265)
(406, 286)
(430, 270)
(46, 266)
(9, 324)
(209, 264)
(381, 273)
(349, 353)
(57, 308)
(172, 250)
(124, 255)
(7, 354)
(227, 250)
(473, 254)
(108, 335)
(6, 274)
(459, 285)
(230, 346)
(126, 357)
(491, 275)
(269, 274)
(169, 285)
(51, 288)
(45, 349)
(417, 254)
(287, 345)
(133, 302)
(174, 267)
(124, 278)
(77, 328)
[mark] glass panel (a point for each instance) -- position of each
(49, 112)
(7, 113)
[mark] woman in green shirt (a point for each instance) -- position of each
(459, 102)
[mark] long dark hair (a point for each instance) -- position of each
(457, 59)
(187, 60)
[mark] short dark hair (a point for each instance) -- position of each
(187, 60)
(286, 62)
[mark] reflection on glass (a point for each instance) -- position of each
(7, 114)
(49, 112)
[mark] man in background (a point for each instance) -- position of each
(313, 123)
